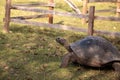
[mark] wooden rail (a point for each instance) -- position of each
(103, 0)
(30, 17)
(57, 26)
(50, 12)
(65, 13)
(36, 4)
(105, 10)
(64, 27)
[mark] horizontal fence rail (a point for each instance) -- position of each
(57, 26)
(65, 13)
(63, 27)
(104, 0)
(107, 18)
(105, 10)
(36, 4)
(50, 12)
(30, 17)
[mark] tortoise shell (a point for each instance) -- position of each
(95, 51)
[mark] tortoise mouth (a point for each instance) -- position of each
(61, 41)
(57, 39)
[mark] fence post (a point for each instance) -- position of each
(91, 20)
(118, 7)
(50, 15)
(7, 16)
(84, 10)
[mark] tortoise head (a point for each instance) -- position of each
(61, 41)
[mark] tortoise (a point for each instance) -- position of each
(93, 51)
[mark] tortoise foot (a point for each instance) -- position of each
(116, 66)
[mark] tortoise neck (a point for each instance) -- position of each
(67, 46)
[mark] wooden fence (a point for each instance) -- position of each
(85, 7)
(22, 19)
(8, 8)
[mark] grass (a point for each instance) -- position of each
(31, 53)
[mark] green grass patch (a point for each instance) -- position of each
(31, 53)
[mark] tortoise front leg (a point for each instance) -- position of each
(70, 57)
(116, 66)
(65, 60)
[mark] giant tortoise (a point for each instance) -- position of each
(91, 51)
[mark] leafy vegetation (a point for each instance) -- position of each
(31, 53)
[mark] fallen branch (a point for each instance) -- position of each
(73, 6)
